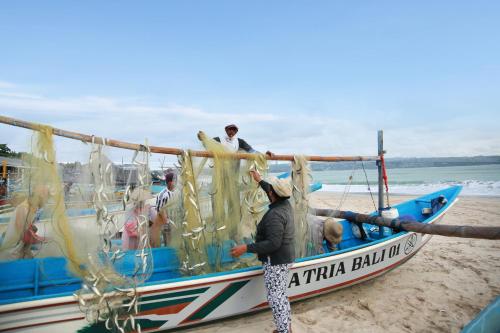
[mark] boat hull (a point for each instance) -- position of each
(193, 300)
(188, 302)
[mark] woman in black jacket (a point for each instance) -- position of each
(274, 245)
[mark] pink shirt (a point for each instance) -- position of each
(130, 233)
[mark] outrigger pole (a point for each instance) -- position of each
(173, 151)
(422, 228)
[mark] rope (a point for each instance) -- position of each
(347, 188)
(384, 175)
(368, 183)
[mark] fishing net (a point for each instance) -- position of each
(101, 219)
(221, 205)
(194, 258)
(41, 191)
(72, 215)
(301, 181)
(109, 286)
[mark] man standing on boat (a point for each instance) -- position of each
(160, 219)
(274, 246)
(234, 144)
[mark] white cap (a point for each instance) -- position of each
(282, 187)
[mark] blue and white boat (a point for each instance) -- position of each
(38, 294)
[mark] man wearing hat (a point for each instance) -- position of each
(321, 230)
(274, 246)
(233, 143)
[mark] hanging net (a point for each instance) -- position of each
(41, 192)
(98, 223)
(221, 208)
(301, 180)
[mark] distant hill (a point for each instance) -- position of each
(396, 163)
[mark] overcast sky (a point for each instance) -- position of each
(299, 77)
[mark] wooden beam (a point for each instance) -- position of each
(172, 151)
(422, 228)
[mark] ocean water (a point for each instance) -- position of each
(481, 180)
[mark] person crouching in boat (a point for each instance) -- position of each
(136, 223)
(274, 245)
(21, 234)
(324, 235)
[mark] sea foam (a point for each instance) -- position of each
(470, 187)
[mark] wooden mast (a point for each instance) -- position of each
(380, 178)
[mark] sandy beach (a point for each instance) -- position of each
(439, 290)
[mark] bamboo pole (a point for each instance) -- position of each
(422, 228)
(173, 151)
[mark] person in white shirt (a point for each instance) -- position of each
(233, 144)
(161, 225)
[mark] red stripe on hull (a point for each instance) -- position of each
(40, 324)
(38, 307)
(172, 309)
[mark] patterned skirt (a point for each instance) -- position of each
(275, 278)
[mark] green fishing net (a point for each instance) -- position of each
(83, 211)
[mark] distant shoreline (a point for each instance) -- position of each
(407, 195)
(401, 163)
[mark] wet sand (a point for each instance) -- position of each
(440, 289)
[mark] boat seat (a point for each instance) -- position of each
(17, 279)
(165, 264)
(80, 211)
(224, 253)
(433, 205)
(54, 278)
(349, 238)
(32, 277)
